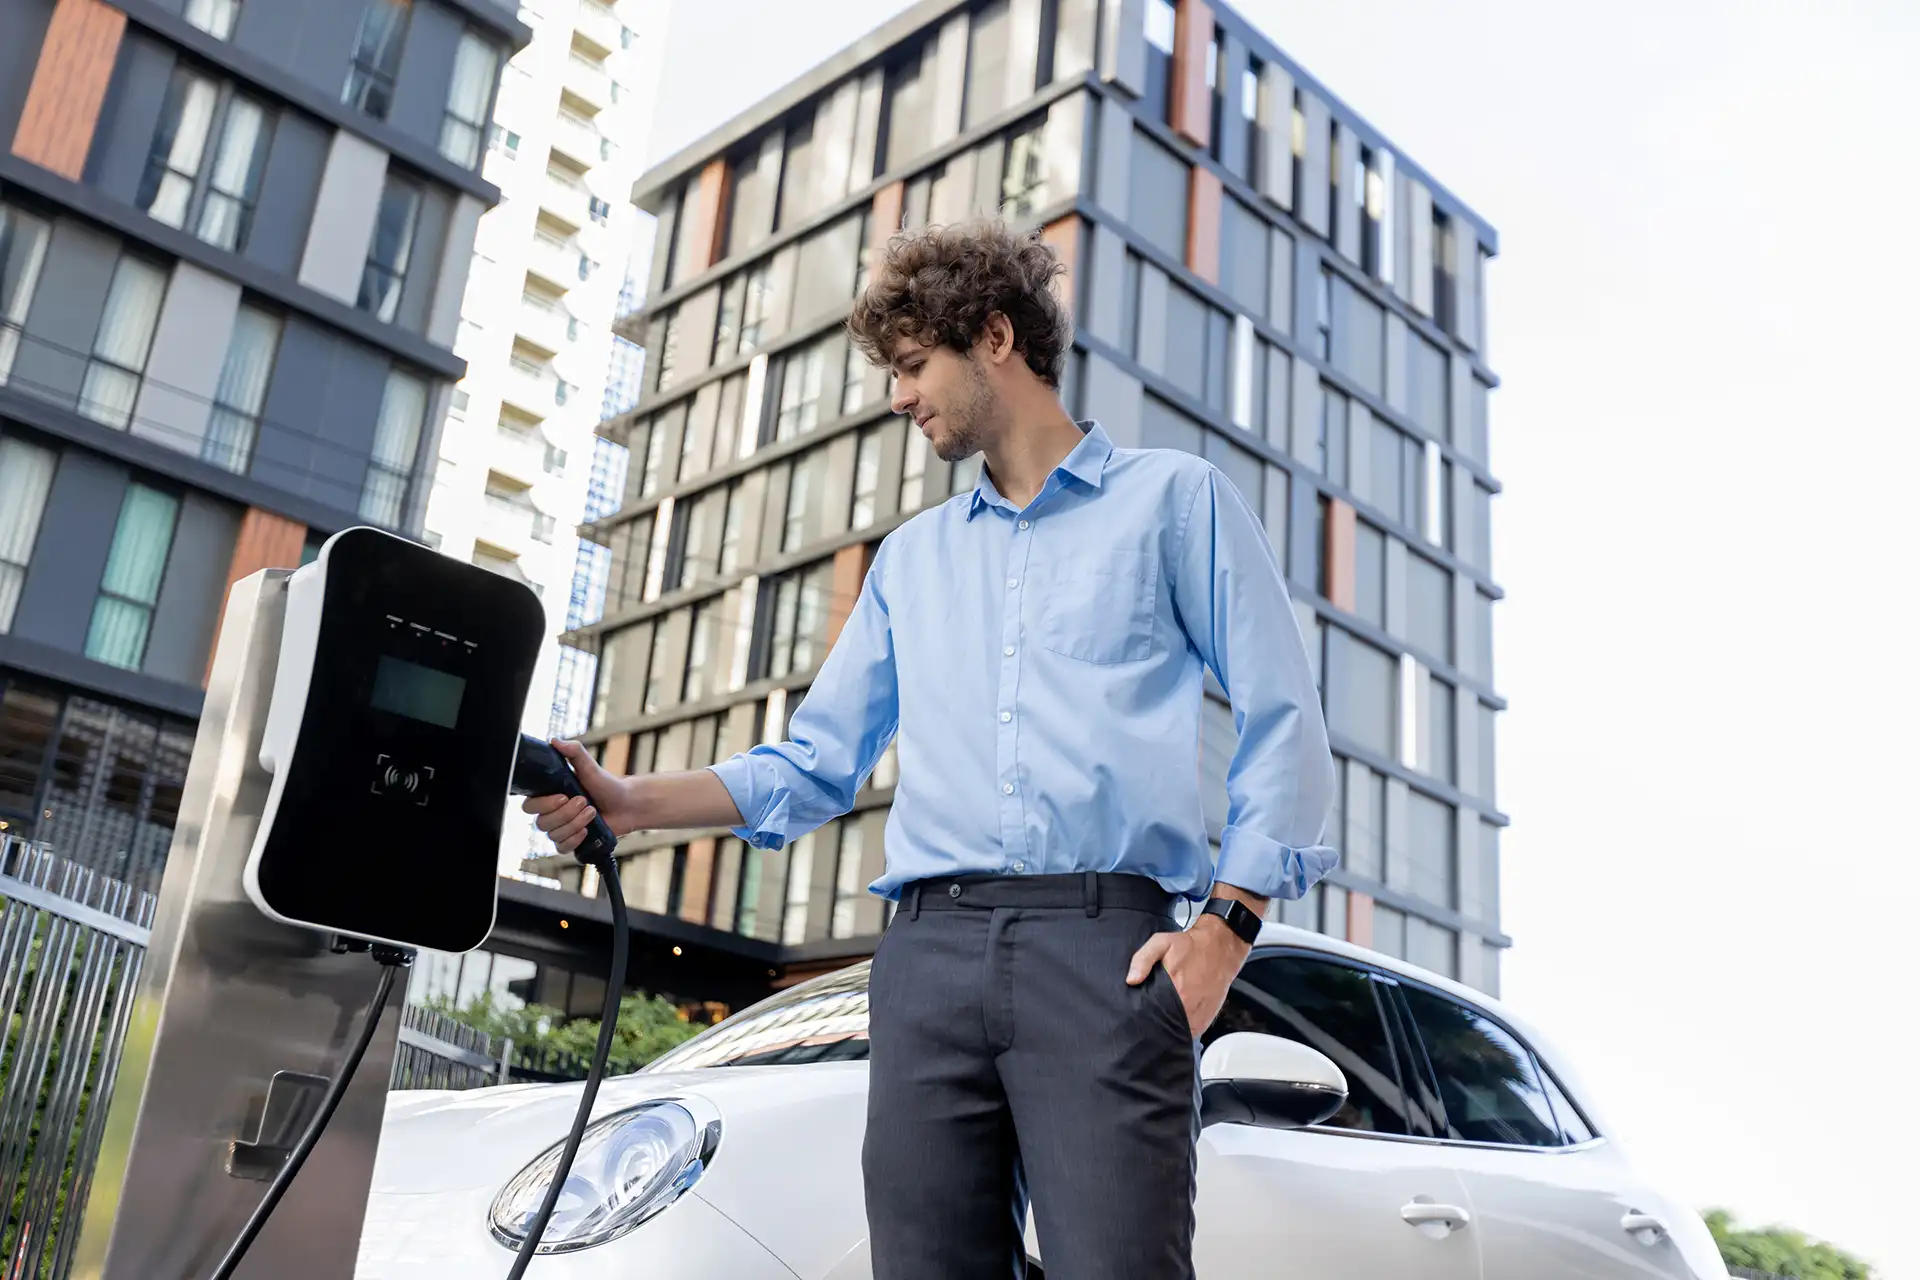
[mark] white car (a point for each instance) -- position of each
(1362, 1118)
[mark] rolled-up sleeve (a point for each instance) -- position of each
(1233, 604)
(848, 716)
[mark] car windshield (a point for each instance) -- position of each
(822, 1020)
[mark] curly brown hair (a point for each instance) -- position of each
(939, 284)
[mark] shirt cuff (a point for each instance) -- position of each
(762, 805)
(1263, 866)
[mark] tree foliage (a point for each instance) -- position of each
(648, 1026)
(1782, 1251)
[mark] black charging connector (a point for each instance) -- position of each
(391, 960)
(539, 769)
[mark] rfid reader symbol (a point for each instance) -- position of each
(397, 779)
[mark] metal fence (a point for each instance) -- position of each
(72, 941)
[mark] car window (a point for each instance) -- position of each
(1487, 1080)
(1331, 1008)
(823, 1020)
(1426, 1115)
(1573, 1126)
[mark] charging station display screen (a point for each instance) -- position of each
(417, 692)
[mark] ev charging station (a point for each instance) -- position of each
(359, 741)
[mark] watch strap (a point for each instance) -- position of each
(1237, 915)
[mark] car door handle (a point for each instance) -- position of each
(1420, 1213)
(1644, 1225)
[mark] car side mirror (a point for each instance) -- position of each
(1249, 1078)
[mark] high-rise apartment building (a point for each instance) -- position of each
(1258, 276)
(567, 140)
(234, 238)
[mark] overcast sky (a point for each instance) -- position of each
(1703, 313)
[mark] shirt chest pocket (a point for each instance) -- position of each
(1098, 608)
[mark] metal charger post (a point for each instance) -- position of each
(237, 1023)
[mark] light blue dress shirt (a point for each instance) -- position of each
(1043, 669)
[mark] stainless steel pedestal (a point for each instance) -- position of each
(238, 1021)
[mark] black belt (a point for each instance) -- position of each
(1091, 890)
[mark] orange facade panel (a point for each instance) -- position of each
(1192, 98)
(697, 884)
(266, 541)
(1340, 554)
(1203, 223)
(849, 572)
(889, 204)
(69, 84)
(710, 229)
(1360, 919)
(617, 752)
(1064, 236)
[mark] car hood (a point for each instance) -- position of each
(447, 1141)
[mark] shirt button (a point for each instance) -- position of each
(1005, 716)
(1019, 866)
(1009, 651)
(1024, 524)
(1008, 788)
(1013, 582)
(953, 891)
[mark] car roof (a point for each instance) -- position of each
(1285, 935)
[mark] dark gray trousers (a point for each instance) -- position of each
(1009, 1054)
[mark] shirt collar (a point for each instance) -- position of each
(1087, 463)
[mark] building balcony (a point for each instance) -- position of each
(519, 455)
(543, 324)
(577, 138)
(554, 261)
(597, 28)
(565, 198)
(507, 524)
(528, 388)
(587, 81)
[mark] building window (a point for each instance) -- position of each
(385, 274)
(1427, 387)
(1250, 112)
(853, 381)
(848, 889)
(215, 17)
(866, 478)
(1023, 174)
(906, 127)
(1443, 279)
(730, 529)
(1362, 690)
(26, 475)
(793, 922)
(120, 347)
(697, 683)
(1161, 23)
(796, 634)
(913, 472)
(396, 438)
(1440, 729)
(180, 173)
(793, 527)
(599, 210)
(1299, 129)
(476, 65)
(802, 389)
(242, 390)
(123, 611)
(1333, 435)
(23, 247)
(376, 56)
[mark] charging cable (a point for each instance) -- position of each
(391, 960)
(609, 1017)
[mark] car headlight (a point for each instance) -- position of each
(630, 1166)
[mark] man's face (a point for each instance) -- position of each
(947, 395)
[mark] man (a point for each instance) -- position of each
(1037, 648)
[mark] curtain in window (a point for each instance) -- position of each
(241, 391)
(475, 67)
(120, 347)
(179, 144)
(235, 180)
(396, 437)
(215, 17)
(26, 473)
(131, 584)
(23, 246)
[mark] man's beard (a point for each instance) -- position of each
(966, 427)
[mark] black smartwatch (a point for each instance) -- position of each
(1238, 915)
